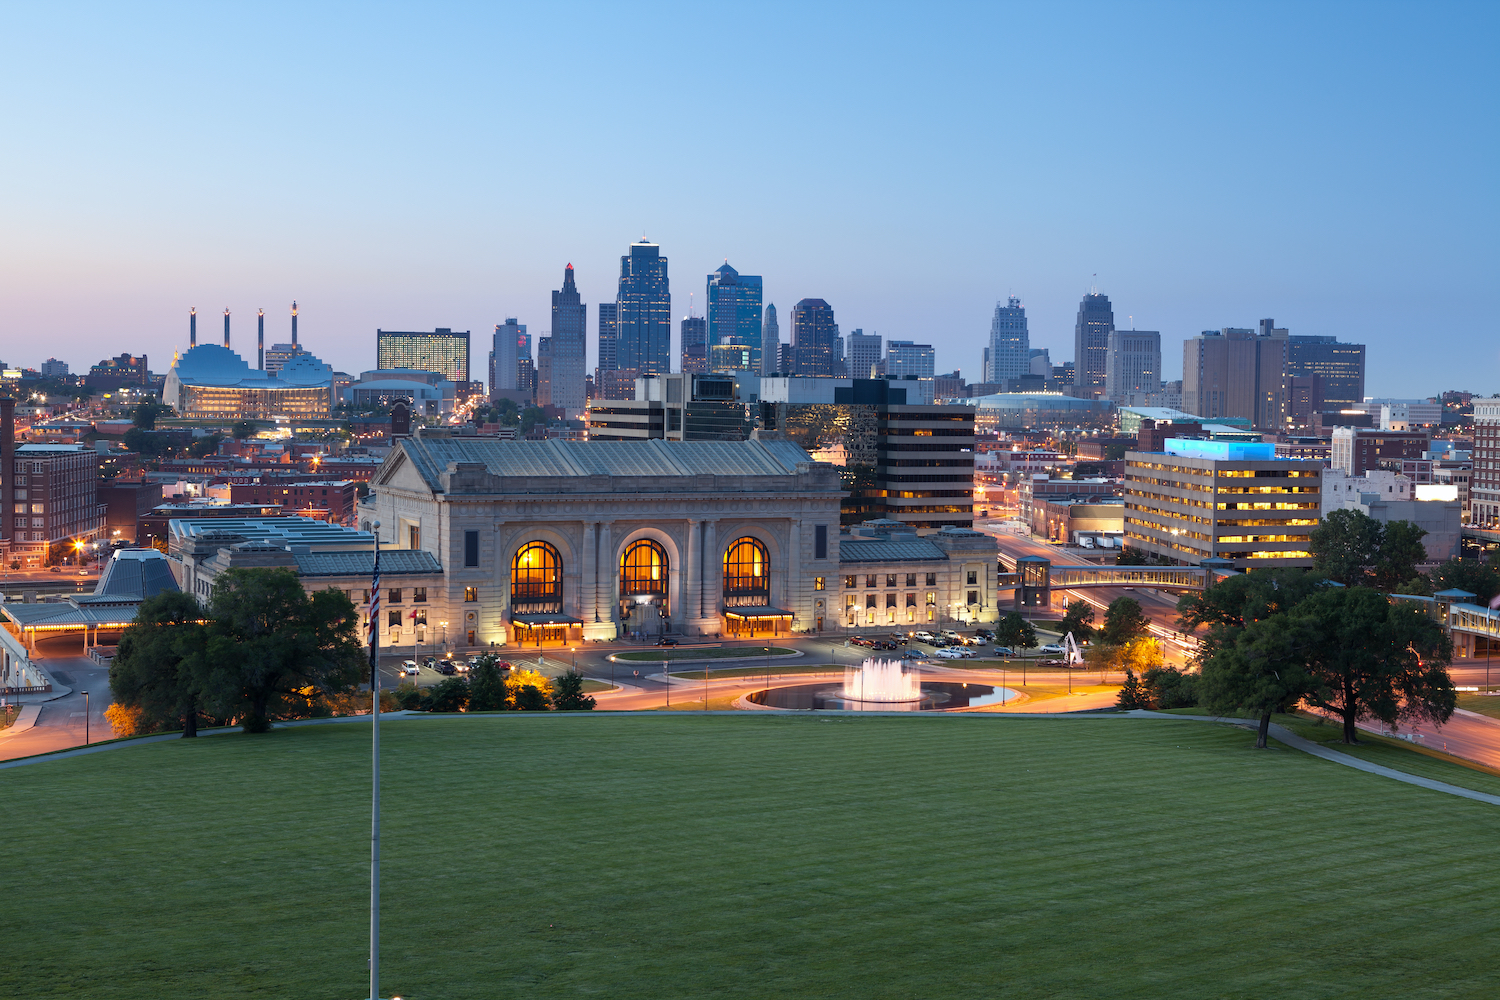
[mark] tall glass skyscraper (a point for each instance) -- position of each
(1096, 321)
(443, 352)
(609, 334)
(864, 354)
(644, 311)
(694, 344)
(569, 347)
(1340, 368)
(507, 354)
(814, 332)
(734, 314)
(770, 343)
(1010, 344)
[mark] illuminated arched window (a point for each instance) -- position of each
(747, 573)
(536, 579)
(643, 569)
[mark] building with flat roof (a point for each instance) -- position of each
(1335, 372)
(677, 407)
(1132, 364)
(1356, 450)
(890, 577)
(1228, 500)
(443, 351)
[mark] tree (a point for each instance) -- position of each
(487, 685)
(1400, 550)
(1344, 544)
(272, 646)
(205, 446)
(1124, 621)
(1079, 620)
(1370, 657)
(530, 417)
(153, 671)
(1236, 601)
(450, 695)
(1263, 669)
(1478, 578)
(146, 413)
(1015, 632)
(146, 443)
(568, 694)
(242, 429)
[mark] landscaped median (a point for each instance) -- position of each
(692, 654)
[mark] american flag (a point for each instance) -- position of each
(375, 597)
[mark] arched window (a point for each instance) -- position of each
(643, 569)
(536, 579)
(747, 573)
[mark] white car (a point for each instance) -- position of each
(923, 636)
(978, 640)
(951, 653)
(965, 654)
(409, 668)
(1052, 649)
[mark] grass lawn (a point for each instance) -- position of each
(776, 670)
(709, 653)
(591, 686)
(1484, 704)
(749, 855)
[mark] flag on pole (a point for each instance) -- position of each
(375, 599)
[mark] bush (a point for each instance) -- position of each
(1158, 688)
(452, 695)
(568, 694)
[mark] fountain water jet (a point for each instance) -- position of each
(882, 681)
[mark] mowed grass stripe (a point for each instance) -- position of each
(751, 856)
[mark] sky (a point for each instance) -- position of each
(1332, 166)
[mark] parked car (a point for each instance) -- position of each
(922, 636)
(666, 641)
(409, 668)
(1052, 649)
(951, 635)
(984, 633)
(978, 640)
(859, 640)
(949, 654)
(446, 667)
(898, 638)
(967, 654)
(1003, 651)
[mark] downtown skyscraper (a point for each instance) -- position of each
(569, 348)
(770, 343)
(815, 336)
(1009, 353)
(644, 313)
(1096, 321)
(734, 312)
(505, 355)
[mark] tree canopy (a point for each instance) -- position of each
(154, 669)
(1079, 620)
(1015, 632)
(1124, 622)
(1352, 548)
(1478, 578)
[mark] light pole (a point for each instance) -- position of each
(85, 718)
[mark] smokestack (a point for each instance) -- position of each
(192, 328)
(260, 338)
(226, 328)
(294, 324)
(7, 464)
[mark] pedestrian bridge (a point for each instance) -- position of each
(1158, 577)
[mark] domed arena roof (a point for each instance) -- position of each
(211, 364)
(304, 369)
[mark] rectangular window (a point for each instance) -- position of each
(870, 600)
(973, 597)
(890, 579)
(911, 615)
(413, 536)
(393, 596)
(973, 578)
(471, 548)
(421, 617)
(819, 583)
(871, 580)
(931, 582)
(851, 601)
(931, 613)
(419, 596)
(850, 582)
(931, 598)
(393, 619)
(911, 600)
(890, 617)
(820, 541)
(471, 594)
(890, 599)
(911, 579)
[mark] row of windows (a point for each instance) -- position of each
(872, 600)
(872, 580)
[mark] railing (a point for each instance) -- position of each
(1177, 577)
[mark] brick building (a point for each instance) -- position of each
(322, 500)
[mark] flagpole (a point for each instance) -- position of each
(375, 790)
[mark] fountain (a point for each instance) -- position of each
(885, 682)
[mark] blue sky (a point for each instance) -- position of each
(1329, 165)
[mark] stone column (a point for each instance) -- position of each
(588, 604)
(607, 565)
(712, 572)
(792, 592)
(692, 588)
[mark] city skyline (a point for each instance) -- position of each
(202, 205)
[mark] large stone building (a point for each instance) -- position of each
(557, 541)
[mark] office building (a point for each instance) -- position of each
(905, 359)
(1009, 352)
(1020, 411)
(1132, 365)
(814, 346)
(443, 351)
(1096, 320)
(770, 343)
(644, 311)
(544, 371)
(53, 368)
(1227, 500)
(1339, 369)
(569, 348)
(919, 458)
(1484, 486)
(693, 338)
(864, 355)
(1239, 373)
(731, 356)
(609, 342)
(425, 393)
(676, 407)
(734, 311)
(118, 372)
(507, 355)
(1356, 450)
(50, 497)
